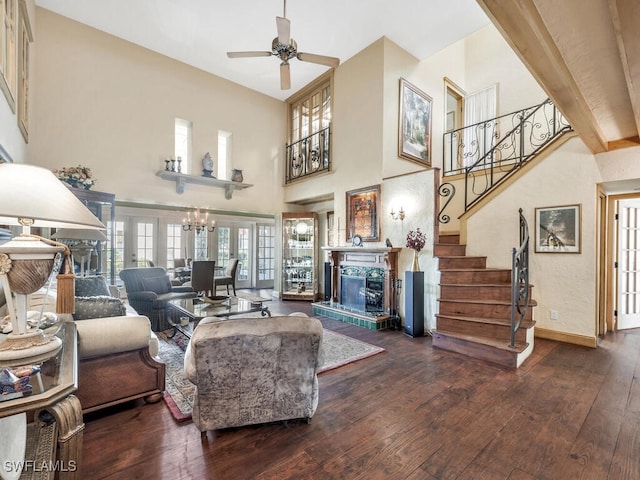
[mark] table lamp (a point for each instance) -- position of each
(81, 242)
(33, 196)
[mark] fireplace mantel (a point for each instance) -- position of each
(385, 258)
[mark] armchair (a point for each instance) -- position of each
(149, 290)
(229, 277)
(253, 370)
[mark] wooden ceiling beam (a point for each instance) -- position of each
(625, 16)
(521, 25)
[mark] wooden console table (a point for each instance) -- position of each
(56, 404)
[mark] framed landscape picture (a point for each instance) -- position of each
(558, 229)
(414, 125)
(363, 206)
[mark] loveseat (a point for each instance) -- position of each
(253, 370)
(117, 354)
(149, 290)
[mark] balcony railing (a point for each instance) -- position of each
(487, 156)
(308, 156)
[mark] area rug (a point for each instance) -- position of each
(339, 350)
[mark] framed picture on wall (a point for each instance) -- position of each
(363, 207)
(414, 124)
(558, 229)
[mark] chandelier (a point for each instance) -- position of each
(199, 223)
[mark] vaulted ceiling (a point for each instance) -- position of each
(586, 55)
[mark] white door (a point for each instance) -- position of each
(266, 256)
(629, 264)
(235, 241)
(140, 234)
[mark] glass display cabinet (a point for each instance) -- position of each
(299, 256)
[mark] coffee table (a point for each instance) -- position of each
(196, 309)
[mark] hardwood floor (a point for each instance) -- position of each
(412, 412)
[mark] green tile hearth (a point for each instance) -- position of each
(372, 323)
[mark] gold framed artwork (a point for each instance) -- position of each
(363, 207)
(414, 124)
(558, 229)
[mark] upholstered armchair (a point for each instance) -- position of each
(253, 370)
(229, 277)
(149, 290)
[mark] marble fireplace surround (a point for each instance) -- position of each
(384, 258)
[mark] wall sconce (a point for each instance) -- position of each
(399, 215)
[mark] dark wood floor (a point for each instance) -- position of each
(412, 412)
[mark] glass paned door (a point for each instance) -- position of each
(139, 236)
(234, 241)
(629, 264)
(266, 256)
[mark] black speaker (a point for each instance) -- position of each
(327, 281)
(414, 304)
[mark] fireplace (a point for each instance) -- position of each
(363, 286)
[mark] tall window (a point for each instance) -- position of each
(266, 252)
(183, 129)
(8, 57)
(243, 252)
(310, 111)
(174, 243)
(201, 240)
(116, 250)
(225, 157)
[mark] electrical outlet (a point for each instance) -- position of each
(554, 315)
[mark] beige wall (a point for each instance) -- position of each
(110, 105)
(562, 282)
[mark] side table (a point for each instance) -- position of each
(54, 403)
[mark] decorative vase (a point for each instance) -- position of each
(416, 264)
(236, 175)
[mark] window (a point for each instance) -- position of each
(8, 57)
(225, 142)
(25, 39)
(118, 249)
(174, 243)
(480, 108)
(309, 116)
(224, 246)
(183, 129)
(311, 111)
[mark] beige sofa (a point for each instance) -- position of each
(117, 355)
(253, 370)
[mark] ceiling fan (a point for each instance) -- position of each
(285, 47)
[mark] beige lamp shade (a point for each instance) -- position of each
(31, 192)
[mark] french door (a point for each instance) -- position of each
(235, 241)
(136, 239)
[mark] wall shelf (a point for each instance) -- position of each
(182, 179)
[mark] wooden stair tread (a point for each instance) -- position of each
(532, 303)
(489, 342)
(477, 285)
(488, 269)
(491, 321)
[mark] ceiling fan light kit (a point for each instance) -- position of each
(285, 48)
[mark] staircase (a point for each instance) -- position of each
(475, 308)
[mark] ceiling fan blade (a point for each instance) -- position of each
(321, 59)
(285, 76)
(248, 54)
(284, 30)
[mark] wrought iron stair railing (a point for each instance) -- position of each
(486, 158)
(308, 156)
(519, 280)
